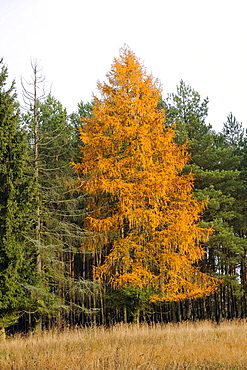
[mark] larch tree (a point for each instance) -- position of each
(141, 209)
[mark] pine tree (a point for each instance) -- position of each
(188, 113)
(217, 179)
(17, 193)
(233, 132)
(141, 208)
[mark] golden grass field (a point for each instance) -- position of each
(201, 345)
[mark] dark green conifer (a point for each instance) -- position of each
(215, 163)
(17, 192)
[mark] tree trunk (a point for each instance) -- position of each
(2, 334)
(136, 316)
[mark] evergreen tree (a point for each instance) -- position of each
(235, 141)
(233, 132)
(53, 138)
(187, 113)
(17, 194)
(46, 123)
(216, 170)
(76, 120)
(61, 209)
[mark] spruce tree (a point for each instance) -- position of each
(17, 193)
(53, 142)
(60, 208)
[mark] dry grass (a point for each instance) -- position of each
(125, 347)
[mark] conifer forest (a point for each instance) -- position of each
(132, 209)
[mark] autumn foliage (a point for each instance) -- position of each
(141, 209)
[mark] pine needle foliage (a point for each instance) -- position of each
(141, 209)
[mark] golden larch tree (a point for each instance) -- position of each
(141, 210)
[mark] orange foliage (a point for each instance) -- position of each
(139, 204)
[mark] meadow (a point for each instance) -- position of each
(202, 345)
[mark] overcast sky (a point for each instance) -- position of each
(203, 42)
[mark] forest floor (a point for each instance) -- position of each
(202, 345)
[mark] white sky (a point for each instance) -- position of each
(203, 42)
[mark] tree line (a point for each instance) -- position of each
(131, 209)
